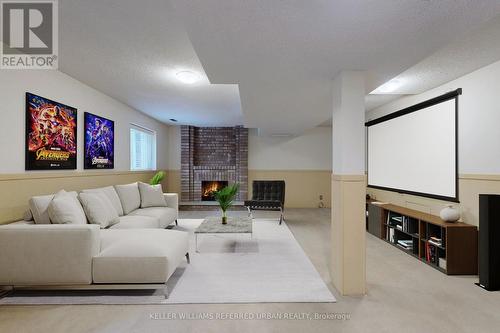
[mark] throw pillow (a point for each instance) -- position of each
(98, 208)
(151, 195)
(38, 206)
(66, 209)
(111, 194)
(129, 197)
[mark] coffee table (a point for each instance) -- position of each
(213, 225)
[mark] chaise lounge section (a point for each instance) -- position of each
(135, 252)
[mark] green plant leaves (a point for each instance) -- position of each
(157, 178)
(225, 196)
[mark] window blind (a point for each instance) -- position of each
(142, 149)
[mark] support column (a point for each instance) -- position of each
(348, 254)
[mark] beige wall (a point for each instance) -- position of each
(16, 189)
(304, 162)
(303, 187)
(173, 181)
(470, 186)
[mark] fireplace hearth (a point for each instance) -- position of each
(208, 188)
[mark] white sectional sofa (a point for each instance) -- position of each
(133, 251)
(128, 208)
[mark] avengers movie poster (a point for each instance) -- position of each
(99, 142)
(50, 134)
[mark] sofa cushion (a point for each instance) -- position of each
(151, 195)
(38, 206)
(136, 222)
(111, 194)
(139, 256)
(165, 215)
(98, 208)
(66, 209)
(129, 197)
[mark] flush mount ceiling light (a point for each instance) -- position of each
(388, 87)
(187, 77)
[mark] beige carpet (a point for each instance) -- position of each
(269, 267)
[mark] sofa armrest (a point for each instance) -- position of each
(172, 200)
(47, 254)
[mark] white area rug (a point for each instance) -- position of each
(270, 267)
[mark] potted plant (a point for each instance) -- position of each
(225, 198)
(157, 178)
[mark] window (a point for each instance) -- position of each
(142, 148)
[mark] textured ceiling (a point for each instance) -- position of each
(283, 54)
(463, 55)
(275, 57)
(131, 50)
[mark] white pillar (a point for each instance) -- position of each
(348, 257)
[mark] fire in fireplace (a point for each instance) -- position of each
(208, 188)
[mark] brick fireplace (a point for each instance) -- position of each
(210, 155)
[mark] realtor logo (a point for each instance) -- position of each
(29, 34)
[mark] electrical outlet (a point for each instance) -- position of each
(321, 197)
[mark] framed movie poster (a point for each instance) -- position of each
(50, 134)
(99, 142)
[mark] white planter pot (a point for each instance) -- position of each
(449, 214)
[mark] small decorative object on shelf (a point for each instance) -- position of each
(449, 214)
(225, 198)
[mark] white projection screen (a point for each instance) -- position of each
(414, 150)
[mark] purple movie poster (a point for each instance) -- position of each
(99, 142)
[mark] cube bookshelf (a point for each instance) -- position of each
(448, 247)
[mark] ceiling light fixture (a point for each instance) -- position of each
(388, 87)
(187, 77)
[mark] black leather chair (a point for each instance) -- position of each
(267, 195)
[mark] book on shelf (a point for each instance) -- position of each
(435, 243)
(394, 220)
(404, 247)
(406, 244)
(430, 253)
(403, 223)
(389, 235)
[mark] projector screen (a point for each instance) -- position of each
(414, 150)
